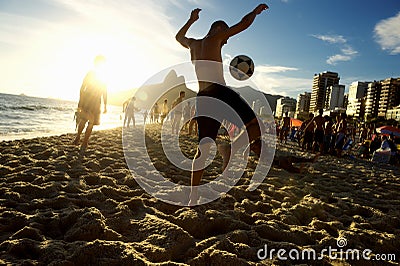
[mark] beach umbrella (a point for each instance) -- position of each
(295, 122)
(388, 130)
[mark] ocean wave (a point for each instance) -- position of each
(35, 108)
(11, 117)
(9, 131)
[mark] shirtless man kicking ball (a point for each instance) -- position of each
(212, 84)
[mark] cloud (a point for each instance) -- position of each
(274, 69)
(198, 2)
(262, 68)
(279, 84)
(348, 50)
(331, 38)
(332, 60)
(387, 34)
(347, 53)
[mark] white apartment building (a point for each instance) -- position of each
(356, 101)
(285, 104)
(334, 97)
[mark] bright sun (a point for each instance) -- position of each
(125, 68)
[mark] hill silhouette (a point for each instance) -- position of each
(250, 95)
(147, 95)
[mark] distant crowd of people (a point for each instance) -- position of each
(174, 113)
(334, 135)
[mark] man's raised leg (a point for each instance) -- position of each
(198, 170)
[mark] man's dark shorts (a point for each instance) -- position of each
(319, 136)
(207, 126)
(308, 137)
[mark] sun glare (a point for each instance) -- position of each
(119, 73)
(125, 67)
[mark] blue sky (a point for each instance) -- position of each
(47, 46)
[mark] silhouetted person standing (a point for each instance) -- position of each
(285, 126)
(93, 89)
(129, 109)
(164, 111)
(177, 107)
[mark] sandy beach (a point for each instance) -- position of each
(59, 208)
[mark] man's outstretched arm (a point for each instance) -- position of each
(245, 22)
(181, 35)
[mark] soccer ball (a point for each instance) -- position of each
(241, 67)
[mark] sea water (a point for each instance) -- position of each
(29, 117)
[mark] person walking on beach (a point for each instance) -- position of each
(145, 113)
(93, 89)
(155, 112)
(341, 130)
(328, 133)
(164, 110)
(319, 123)
(186, 116)
(177, 116)
(308, 134)
(208, 74)
(285, 126)
(193, 123)
(151, 113)
(363, 134)
(371, 131)
(129, 108)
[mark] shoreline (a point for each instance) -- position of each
(59, 207)
(49, 135)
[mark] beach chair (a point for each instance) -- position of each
(347, 147)
(381, 156)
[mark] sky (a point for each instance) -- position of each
(47, 46)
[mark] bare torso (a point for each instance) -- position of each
(319, 122)
(206, 56)
(286, 122)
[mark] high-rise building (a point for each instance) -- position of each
(358, 89)
(334, 97)
(372, 99)
(345, 101)
(356, 101)
(303, 105)
(321, 82)
(285, 104)
(356, 107)
(382, 96)
(393, 113)
(390, 95)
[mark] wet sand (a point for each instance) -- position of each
(59, 208)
